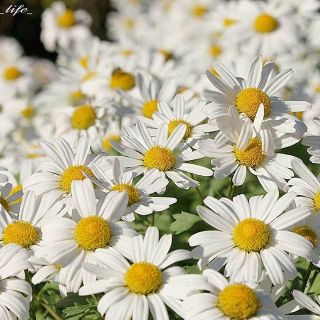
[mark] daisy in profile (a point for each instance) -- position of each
(194, 119)
(241, 146)
(9, 197)
(250, 235)
(139, 199)
(246, 95)
(142, 153)
(313, 305)
(141, 282)
(306, 186)
(62, 26)
(16, 293)
(65, 166)
(229, 300)
(25, 228)
(70, 242)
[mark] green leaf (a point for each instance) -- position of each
(184, 221)
(315, 287)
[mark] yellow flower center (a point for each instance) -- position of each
(28, 112)
(251, 235)
(22, 233)
(143, 278)
(215, 51)
(84, 62)
(129, 23)
(77, 96)
(83, 117)
(133, 193)
(316, 201)
(92, 233)
(161, 158)
(106, 143)
(227, 22)
(317, 88)
(265, 23)
(168, 55)
(14, 190)
(67, 19)
(122, 80)
(307, 233)
(199, 11)
(71, 174)
(252, 155)
(127, 52)
(149, 108)
(238, 302)
(248, 101)
(5, 204)
(89, 75)
(174, 123)
(12, 73)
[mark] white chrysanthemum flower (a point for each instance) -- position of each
(70, 242)
(66, 165)
(142, 153)
(9, 198)
(246, 95)
(229, 300)
(308, 303)
(10, 50)
(251, 235)
(241, 146)
(16, 293)
(25, 228)
(62, 26)
(139, 192)
(194, 119)
(142, 281)
(307, 187)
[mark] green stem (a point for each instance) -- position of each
(230, 189)
(153, 219)
(50, 311)
(197, 188)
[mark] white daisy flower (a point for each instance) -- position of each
(246, 95)
(311, 140)
(10, 50)
(25, 229)
(66, 165)
(142, 153)
(9, 197)
(307, 187)
(62, 26)
(313, 305)
(229, 300)
(251, 236)
(16, 293)
(70, 242)
(193, 119)
(241, 146)
(139, 199)
(142, 281)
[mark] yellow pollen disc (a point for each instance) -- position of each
(182, 89)
(168, 55)
(199, 11)
(12, 73)
(251, 235)
(67, 19)
(248, 101)
(133, 193)
(92, 233)
(316, 201)
(227, 22)
(106, 143)
(22, 233)
(174, 123)
(122, 80)
(252, 155)
(307, 233)
(317, 88)
(5, 204)
(84, 62)
(161, 158)
(73, 173)
(77, 96)
(238, 302)
(83, 117)
(129, 23)
(127, 52)
(28, 112)
(88, 76)
(215, 51)
(265, 23)
(143, 278)
(149, 108)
